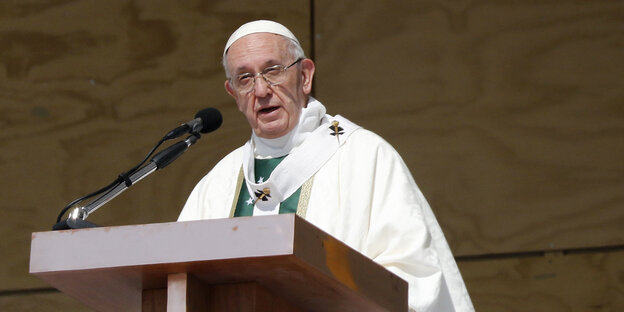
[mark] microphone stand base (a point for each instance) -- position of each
(69, 224)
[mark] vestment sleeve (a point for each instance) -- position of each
(213, 196)
(400, 237)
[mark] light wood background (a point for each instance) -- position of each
(509, 114)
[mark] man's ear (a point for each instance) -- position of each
(307, 70)
(229, 88)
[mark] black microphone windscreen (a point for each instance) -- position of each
(211, 119)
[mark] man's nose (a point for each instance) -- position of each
(261, 86)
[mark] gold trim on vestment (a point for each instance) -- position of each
(304, 197)
(239, 184)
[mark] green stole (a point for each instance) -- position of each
(262, 170)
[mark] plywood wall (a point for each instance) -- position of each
(87, 87)
(509, 114)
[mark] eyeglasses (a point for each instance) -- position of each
(273, 75)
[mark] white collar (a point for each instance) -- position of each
(309, 146)
(300, 165)
(309, 119)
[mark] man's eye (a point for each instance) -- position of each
(272, 71)
(244, 78)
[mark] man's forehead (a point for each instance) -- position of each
(257, 50)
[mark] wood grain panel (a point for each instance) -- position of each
(508, 113)
(552, 283)
(87, 87)
(41, 302)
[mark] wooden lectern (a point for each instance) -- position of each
(270, 263)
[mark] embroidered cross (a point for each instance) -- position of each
(263, 195)
(337, 130)
(261, 180)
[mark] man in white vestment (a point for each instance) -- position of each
(346, 180)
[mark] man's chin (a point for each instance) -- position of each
(271, 132)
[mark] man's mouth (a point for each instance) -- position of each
(268, 109)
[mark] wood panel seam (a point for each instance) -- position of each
(540, 253)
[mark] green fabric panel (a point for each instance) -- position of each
(262, 170)
(244, 206)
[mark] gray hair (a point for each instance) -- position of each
(293, 48)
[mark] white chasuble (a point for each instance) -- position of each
(364, 195)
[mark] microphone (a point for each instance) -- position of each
(206, 120)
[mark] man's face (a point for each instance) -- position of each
(272, 111)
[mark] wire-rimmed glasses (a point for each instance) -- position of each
(273, 75)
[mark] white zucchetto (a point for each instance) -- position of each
(259, 26)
